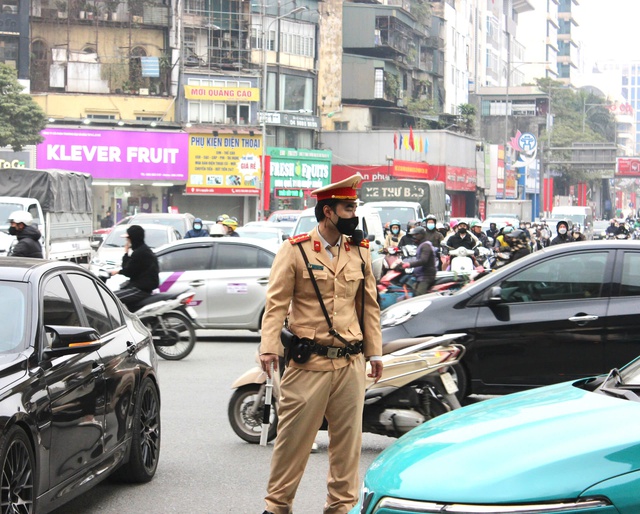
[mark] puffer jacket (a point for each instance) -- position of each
(28, 244)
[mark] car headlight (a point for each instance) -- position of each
(403, 311)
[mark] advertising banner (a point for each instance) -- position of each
(628, 167)
(410, 169)
(115, 154)
(224, 164)
(295, 170)
(222, 94)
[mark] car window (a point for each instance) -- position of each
(57, 308)
(568, 277)
(115, 314)
(630, 282)
(91, 302)
(240, 257)
(186, 259)
(13, 314)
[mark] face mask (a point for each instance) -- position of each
(462, 231)
(197, 227)
(395, 230)
(562, 231)
(431, 226)
(346, 226)
(13, 231)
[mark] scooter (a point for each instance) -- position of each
(169, 318)
(415, 386)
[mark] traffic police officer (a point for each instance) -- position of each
(322, 386)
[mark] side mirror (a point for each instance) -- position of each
(495, 294)
(371, 238)
(95, 244)
(66, 340)
(285, 237)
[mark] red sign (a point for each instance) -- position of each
(222, 191)
(340, 172)
(628, 167)
(455, 178)
(410, 169)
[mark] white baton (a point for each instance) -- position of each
(266, 416)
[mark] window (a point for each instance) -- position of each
(569, 277)
(13, 313)
(241, 257)
(92, 304)
(115, 315)
(101, 116)
(341, 125)
(630, 282)
(57, 308)
(188, 259)
(296, 93)
(378, 84)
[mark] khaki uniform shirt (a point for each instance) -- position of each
(340, 280)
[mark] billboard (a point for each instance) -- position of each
(628, 167)
(115, 154)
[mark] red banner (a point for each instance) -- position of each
(628, 167)
(340, 172)
(410, 169)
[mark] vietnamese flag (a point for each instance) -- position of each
(411, 141)
(395, 141)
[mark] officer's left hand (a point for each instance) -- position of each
(376, 370)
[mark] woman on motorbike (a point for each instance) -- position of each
(394, 235)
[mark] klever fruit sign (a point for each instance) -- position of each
(224, 164)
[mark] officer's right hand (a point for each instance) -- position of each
(266, 359)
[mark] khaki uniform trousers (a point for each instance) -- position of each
(305, 398)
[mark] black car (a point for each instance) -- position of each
(565, 312)
(79, 395)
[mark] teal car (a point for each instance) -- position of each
(571, 448)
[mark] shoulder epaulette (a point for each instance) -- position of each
(364, 243)
(299, 238)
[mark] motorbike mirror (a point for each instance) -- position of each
(495, 294)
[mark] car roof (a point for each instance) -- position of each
(161, 215)
(199, 241)
(19, 268)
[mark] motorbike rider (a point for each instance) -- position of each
(492, 232)
(476, 230)
(562, 227)
(230, 225)
(500, 243)
(523, 227)
(576, 235)
(612, 228)
(407, 239)
(431, 233)
(461, 237)
(394, 235)
(141, 267)
(622, 230)
(518, 244)
(198, 230)
(424, 263)
(28, 236)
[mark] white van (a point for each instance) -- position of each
(368, 221)
(578, 215)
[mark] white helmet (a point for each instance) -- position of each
(21, 217)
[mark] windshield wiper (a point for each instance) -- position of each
(614, 373)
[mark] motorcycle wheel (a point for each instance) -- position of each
(246, 425)
(181, 327)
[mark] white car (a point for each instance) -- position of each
(228, 274)
(110, 252)
(270, 235)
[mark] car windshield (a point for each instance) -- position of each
(153, 237)
(13, 317)
(177, 223)
(402, 214)
(306, 224)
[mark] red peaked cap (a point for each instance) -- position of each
(343, 190)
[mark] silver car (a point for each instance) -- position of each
(229, 276)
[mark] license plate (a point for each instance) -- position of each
(192, 312)
(448, 382)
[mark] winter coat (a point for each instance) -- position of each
(28, 244)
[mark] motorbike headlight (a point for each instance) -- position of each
(403, 311)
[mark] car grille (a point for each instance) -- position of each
(400, 506)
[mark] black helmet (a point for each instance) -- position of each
(417, 230)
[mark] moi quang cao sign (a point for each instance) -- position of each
(222, 94)
(224, 164)
(299, 169)
(115, 154)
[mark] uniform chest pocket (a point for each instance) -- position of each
(319, 275)
(353, 279)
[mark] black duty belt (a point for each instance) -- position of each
(335, 352)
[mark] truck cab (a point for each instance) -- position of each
(9, 204)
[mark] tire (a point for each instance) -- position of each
(247, 426)
(17, 481)
(184, 332)
(145, 440)
(461, 378)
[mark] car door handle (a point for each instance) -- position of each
(262, 281)
(98, 369)
(196, 283)
(583, 319)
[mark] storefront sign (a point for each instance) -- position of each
(222, 94)
(115, 154)
(289, 193)
(224, 164)
(11, 159)
(299, 169)
(409, 169)
(289, 120)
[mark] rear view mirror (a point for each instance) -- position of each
(68, 340)
(495, 294)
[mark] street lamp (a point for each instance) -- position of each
(265, 31)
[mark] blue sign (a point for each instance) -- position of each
(527, 142)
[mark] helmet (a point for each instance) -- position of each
(230, 223)
(439, 225)
(395, 222)
(507, 229)
(431, 217)
(475, 223)
(197, 220)
(21, 217)
(453, 224)
(417, 230)
(516, 234)
(221, 218)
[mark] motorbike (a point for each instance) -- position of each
(169, 318)
(416, 386)
(395, 284)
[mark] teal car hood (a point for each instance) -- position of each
(544, 444)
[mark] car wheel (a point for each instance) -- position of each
(246, 423)
(461, 378)
(145, 441)
(17, 483)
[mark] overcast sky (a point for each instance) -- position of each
(609, 28)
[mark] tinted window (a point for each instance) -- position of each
(186, 259)
(569, 277)
(58, 309)
(265, 259)
(115, 315)
(91, 302)
(630, 282)
(238, 257)
(13, 314)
